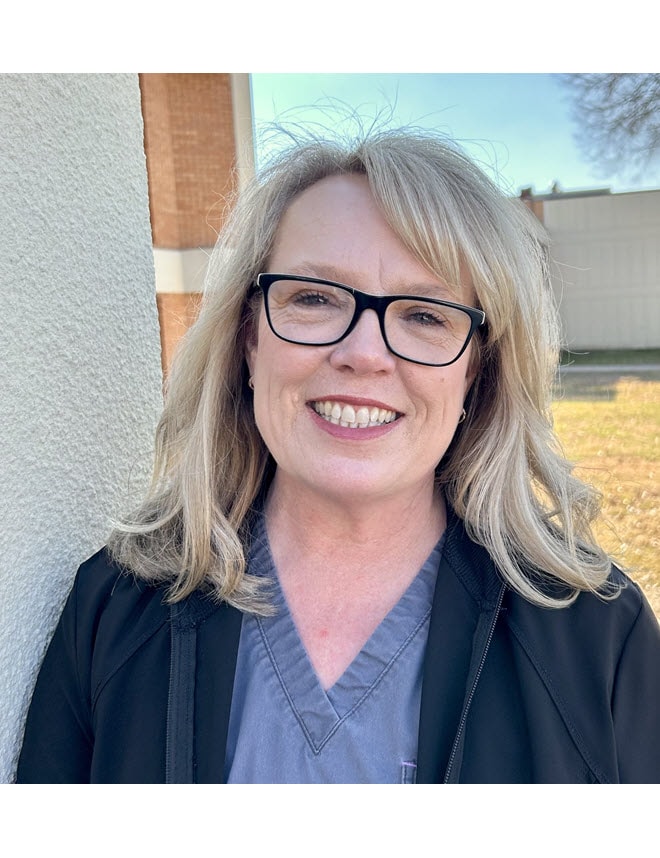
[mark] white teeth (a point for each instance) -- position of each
(362, 417)
(346, 415)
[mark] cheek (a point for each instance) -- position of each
(445, 392)
(281, 372)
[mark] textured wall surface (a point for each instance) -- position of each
(80, 372)
(608, 269)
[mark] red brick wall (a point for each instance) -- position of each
(190, 149)
(176, 312)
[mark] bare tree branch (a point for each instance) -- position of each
(618, 119)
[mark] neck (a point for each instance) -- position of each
(306, 526)
(344, 566)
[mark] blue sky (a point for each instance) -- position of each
(518, 126)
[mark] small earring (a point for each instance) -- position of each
(462, 417)
(251, 383)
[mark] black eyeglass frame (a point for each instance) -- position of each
(377, 303)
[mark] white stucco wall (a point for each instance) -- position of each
(80, 375)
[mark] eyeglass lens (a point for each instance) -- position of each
(319, 314)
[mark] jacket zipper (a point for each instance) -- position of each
(170, 696)
(466, 708)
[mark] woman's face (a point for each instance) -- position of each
(334, 230)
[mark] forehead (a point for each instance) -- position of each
(337, 221)
(336, 230)
(328, 203)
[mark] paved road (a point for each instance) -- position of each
(629, 367)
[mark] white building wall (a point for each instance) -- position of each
(80, 374)
(607, 254)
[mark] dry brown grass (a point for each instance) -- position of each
(609, 425)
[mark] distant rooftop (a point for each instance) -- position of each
(556, 193)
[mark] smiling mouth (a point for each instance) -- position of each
(360, 417)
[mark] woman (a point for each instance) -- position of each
(363, 558)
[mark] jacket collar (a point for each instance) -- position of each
(471, 564)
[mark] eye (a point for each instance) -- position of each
(309, 298)
(425, 317)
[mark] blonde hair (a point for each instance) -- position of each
(503, 474)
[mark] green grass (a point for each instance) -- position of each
(609, 426)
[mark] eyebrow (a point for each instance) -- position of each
(319, 270)
(325, 271)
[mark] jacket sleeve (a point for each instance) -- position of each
(58, 742)
(636, 701)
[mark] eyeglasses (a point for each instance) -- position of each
(312, 312)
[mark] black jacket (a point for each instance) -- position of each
(132, 691)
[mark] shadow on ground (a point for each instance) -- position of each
(597, 385)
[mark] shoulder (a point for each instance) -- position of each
(591, 620)
(592, 631)
(110, 614)
(97, 577)
(596, 659)
(586, 652)
(590, 614)
(114, 614)
(102, 585)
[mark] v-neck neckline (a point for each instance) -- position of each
(321, 712)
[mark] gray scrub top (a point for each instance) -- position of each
(285, 728)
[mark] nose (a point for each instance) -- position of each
(364, 350)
